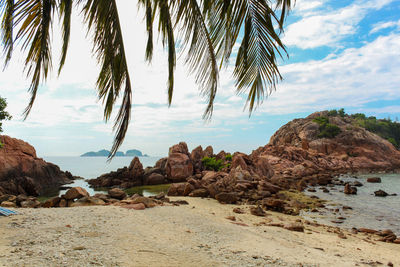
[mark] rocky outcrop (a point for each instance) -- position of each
(22, 172)
(124, 177)
(179, 165)
(360, 149)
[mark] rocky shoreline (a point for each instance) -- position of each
(269, 178)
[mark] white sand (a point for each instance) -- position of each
(176, 236)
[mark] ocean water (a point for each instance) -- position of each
(93, 167)
(368, 210)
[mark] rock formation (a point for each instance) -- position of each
(22, 172)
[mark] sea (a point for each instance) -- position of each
(368, 211)
(93, 167)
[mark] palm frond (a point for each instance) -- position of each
(65, 16)
(256, 68)
(201, 55)
(103, 21)
(6, 11)
(35, 17)
(165, 27)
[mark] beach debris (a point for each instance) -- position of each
(374, 180)
(7, 212)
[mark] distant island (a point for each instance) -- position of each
(105, 153)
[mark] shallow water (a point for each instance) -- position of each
(93, 167)
(368, 210)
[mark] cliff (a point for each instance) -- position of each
(22, 172)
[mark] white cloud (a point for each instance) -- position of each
(385, 25)
(352, 78)
(326, 27)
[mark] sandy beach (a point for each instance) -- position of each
(198, 234)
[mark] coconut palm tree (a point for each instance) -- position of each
(209, 29)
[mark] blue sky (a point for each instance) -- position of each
(342, 54)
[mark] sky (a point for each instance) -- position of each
(342, 54)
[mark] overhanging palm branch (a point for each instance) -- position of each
(208, 29)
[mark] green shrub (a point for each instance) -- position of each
(328, 130)
(321, 120)
(212, 164)
(228, 157)
(393, 141)
(341, 112)
(332, 113)
(1, 145)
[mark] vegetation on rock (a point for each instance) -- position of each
(4, 115)
(385, 128)
(212, 164)
(327, 130)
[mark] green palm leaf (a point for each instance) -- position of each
(6, 11)
(103, 21)
(35, 17)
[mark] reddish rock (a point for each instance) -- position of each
(52, 202)
(138, 206)
(380, 193)
(87, 201)
(180, 148)
(273, 204)
(366, 230)
(226, 198)
(117, 193)
(208, 152)
(22, 172)
(294, 227)
(176, 189)
(196, 156)
(148, 202)
(63, 203)
(257, 211)
(8, 204)
(188, 189)
(179, 167)
(135, 170)
(374, 180)
(75, 192)
(201, 192)
(155, 179)
(350, 190)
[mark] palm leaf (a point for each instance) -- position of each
(35, 17)
(6, 11)
(65, 15)
(103, 21)
(201, 55)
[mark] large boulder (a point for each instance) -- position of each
(196, 156)
(22, 172)
(179, 166)
(75, 193)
